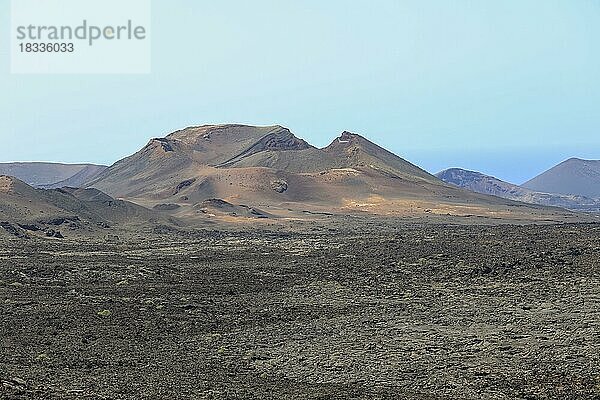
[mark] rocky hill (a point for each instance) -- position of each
(27, 211)
(485, 184)
(573, 177)
(51, 175)
(270, 169)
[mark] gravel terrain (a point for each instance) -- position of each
(403, 312)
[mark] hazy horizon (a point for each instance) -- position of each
(484, 86)
(481, 160)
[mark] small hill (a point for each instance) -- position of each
(66, 212)
(222, 207)
(87, 174)
(351, 150)
(48, 175)
(485, 184)
(573, 176)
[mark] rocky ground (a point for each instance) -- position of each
(406, 312)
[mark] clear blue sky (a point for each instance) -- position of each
(509, 88)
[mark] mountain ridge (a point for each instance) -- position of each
(51, 174)
(269, 168)
(486, 184)
(234, 146)
(28, 211)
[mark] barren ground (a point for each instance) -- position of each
(415, 312)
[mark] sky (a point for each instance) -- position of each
(508, 88)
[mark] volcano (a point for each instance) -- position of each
(269, 168)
